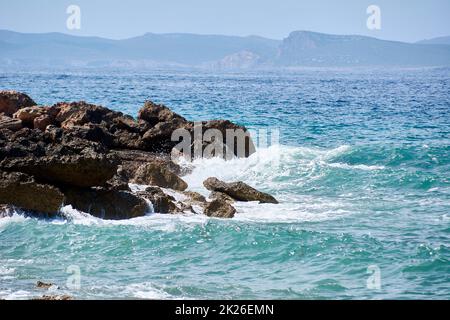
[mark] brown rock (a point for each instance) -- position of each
(29, 114)
(162, 202)
(21, 190)
(106, 204)
(12, 101)
(43, 285)
(10, 123)
(42, 122)
(219, 209)
(195, 197)
(239, 191)
(156, 174)
(154, 113)
(221, 196)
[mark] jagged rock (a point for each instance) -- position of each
(219, 209)
(12, 101)
(221, 196)
(155, 113)
(162, 202)
(131, 160)
(42, 122)
(195, 197)
(239, 191)
(29, 115)
(9, 123)
(239, 142)
(159, 137)
(157, 175)
(22, 191)
(106, 204)
(78, 170)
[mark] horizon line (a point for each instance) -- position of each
(208, 34)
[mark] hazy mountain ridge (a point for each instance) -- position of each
(299, 49)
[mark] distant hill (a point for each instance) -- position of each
(300, 48)
(304, 48)
(440, 40)
(147, 50)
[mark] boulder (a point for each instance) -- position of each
(236, 138)
(219, 209)
(221, 196)
(195, 197)
(106, 204)
(23, 191)
(239, 191)
(155, 174)
(154, 113)
(10, 123)
(162, 202)
(131, 160)
(12, 101)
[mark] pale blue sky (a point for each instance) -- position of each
(406, 20)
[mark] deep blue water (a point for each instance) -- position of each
(361, 171)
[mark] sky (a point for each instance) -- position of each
(403, 20)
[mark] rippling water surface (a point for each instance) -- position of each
(361, 171)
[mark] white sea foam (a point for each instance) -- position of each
(277, 170)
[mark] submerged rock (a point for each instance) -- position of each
(12, 101)
(44, 285)
(158, 175)
(239, 191)
(23, 191)
(219, 209)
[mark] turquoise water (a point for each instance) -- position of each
(361, 171)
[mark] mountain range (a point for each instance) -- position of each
(178, 50)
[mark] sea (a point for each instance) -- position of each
(360, 166)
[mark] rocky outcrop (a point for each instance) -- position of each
(85, 155)
(12, 101)
(106, 204)
(21, 190)
(239, 191)
(219, 209)
(157, 175)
